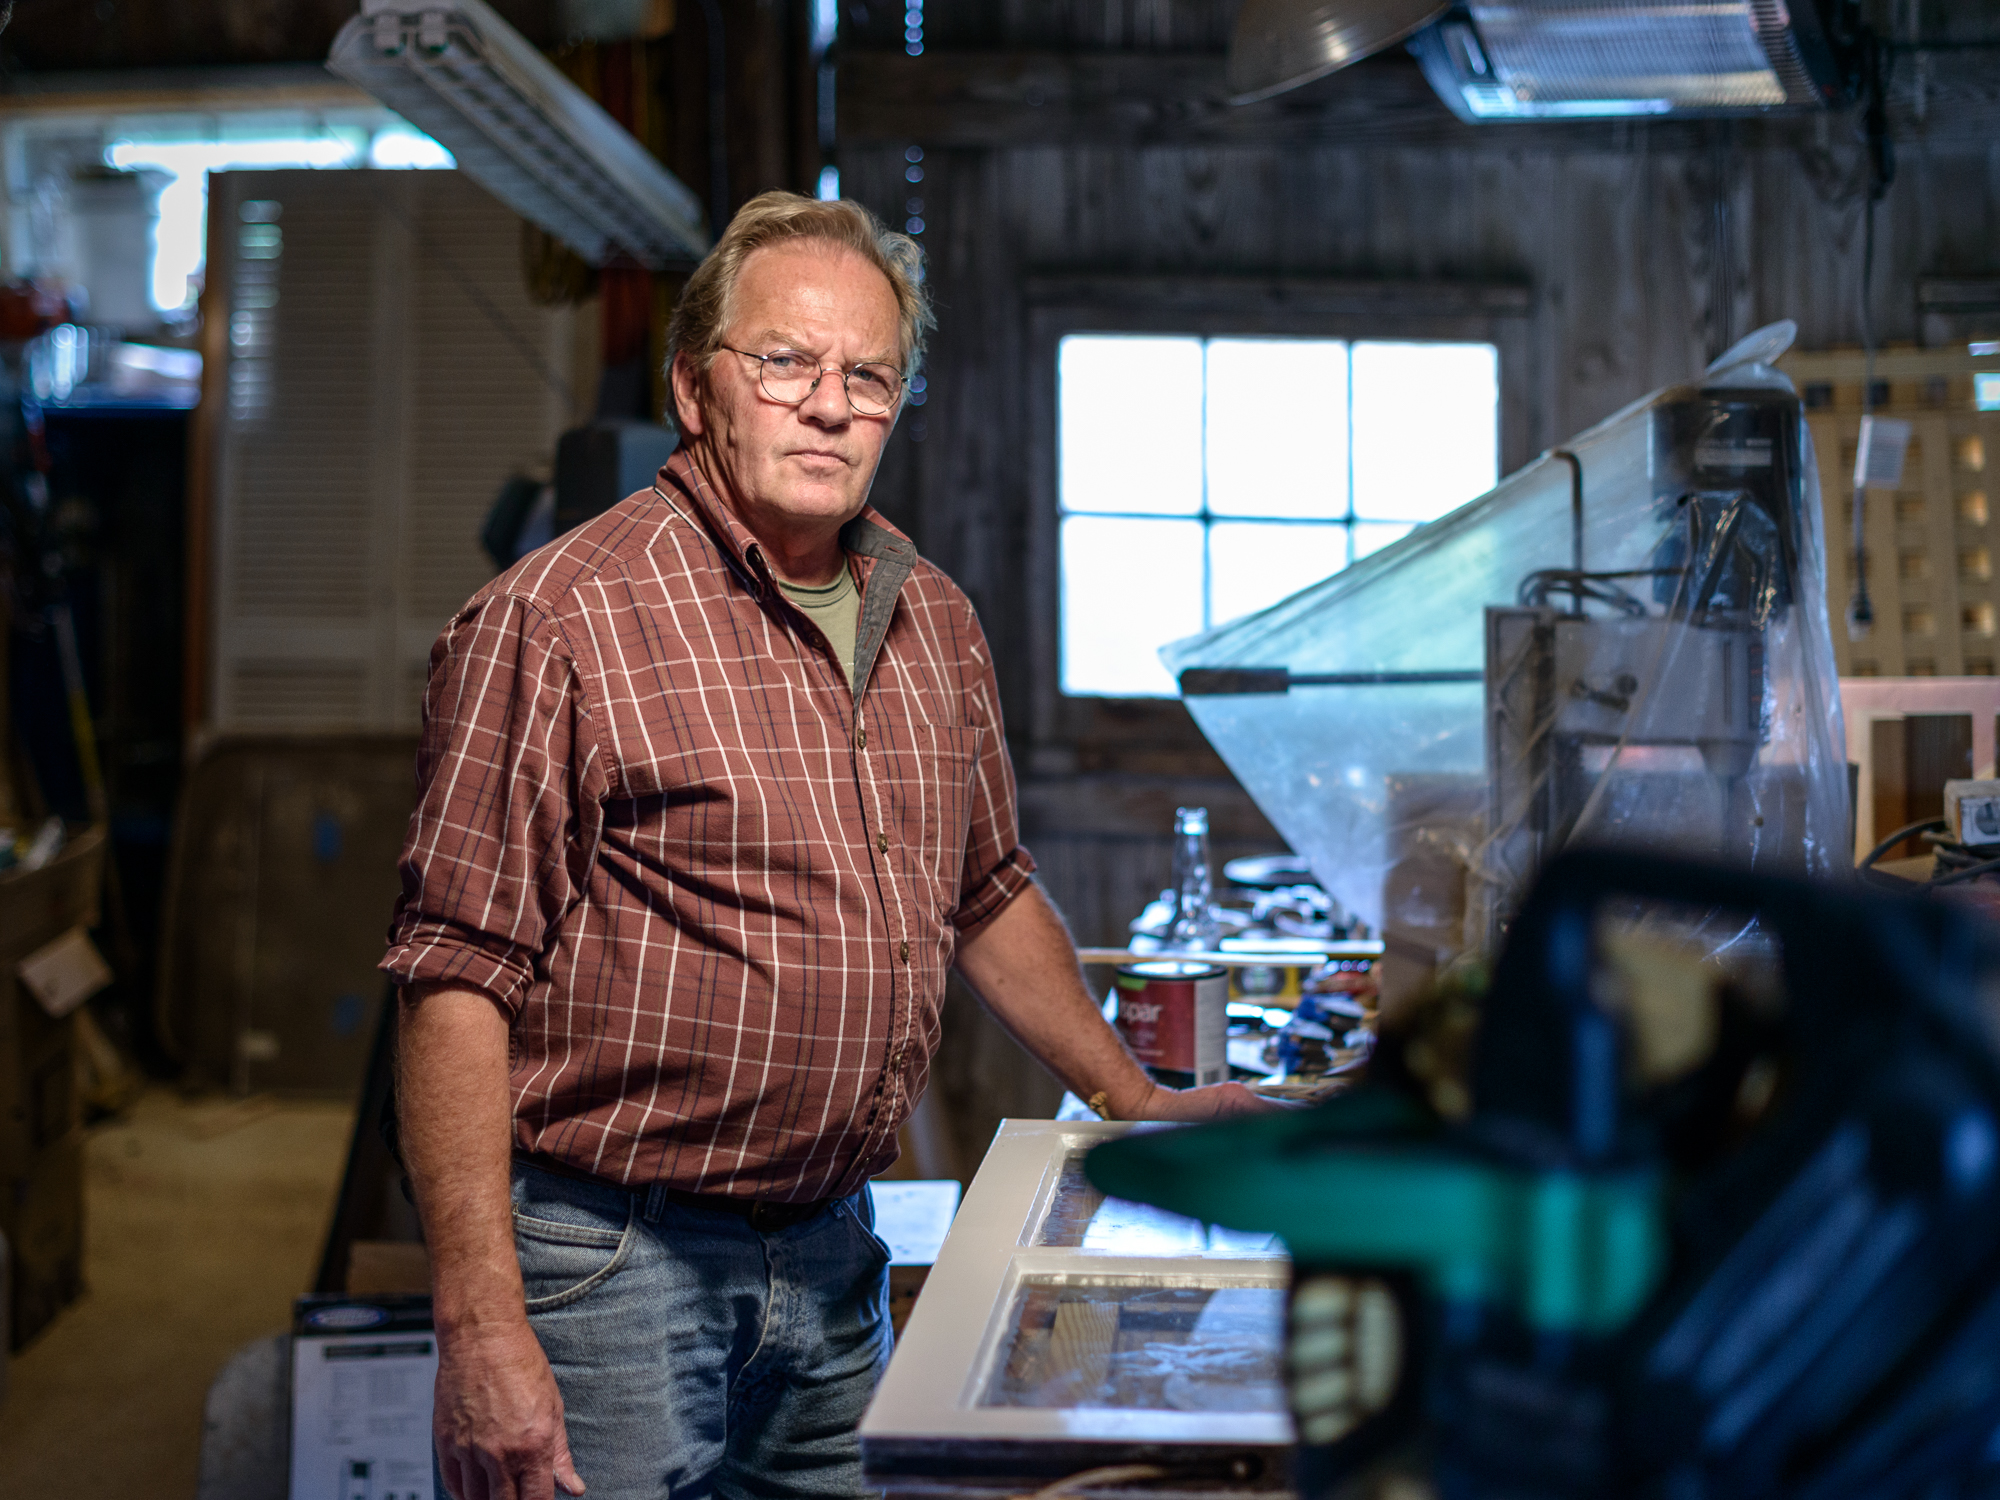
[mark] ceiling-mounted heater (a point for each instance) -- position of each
(1564, 59)
(1580, 59)
(527, 134)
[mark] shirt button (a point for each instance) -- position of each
(860, 737)
(906, 950)
(882, 842)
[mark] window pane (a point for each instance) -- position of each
(1426, 428)
(1373, 536)
(1252, 566)
(1129, 423)
(1277, 427)
(1128, 587)
(1142, 1345)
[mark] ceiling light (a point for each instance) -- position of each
(520, 129)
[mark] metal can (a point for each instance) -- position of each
(1174, 1015)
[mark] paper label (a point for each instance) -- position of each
(1979, 820)
(912, 1217)
(361, 1415)
(1878, 458)
(63, 974)
(1752, 453)
(1181, 1025)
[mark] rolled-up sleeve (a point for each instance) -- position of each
(508, 806)
(997, 868)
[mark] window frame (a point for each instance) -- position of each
(1496, 313)
(930, 1401)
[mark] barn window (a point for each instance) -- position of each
(1205, 478)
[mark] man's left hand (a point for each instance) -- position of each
(1023, 965)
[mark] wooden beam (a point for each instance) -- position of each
(1234, 296)
(1890, 364)
(1112, 98)
(138, 90)
(1002, 99)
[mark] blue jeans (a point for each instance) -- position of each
(697, 1356)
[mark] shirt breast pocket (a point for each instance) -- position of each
(942, 805)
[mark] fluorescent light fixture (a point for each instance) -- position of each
(520, 129)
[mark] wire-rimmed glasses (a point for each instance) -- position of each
(873, 388)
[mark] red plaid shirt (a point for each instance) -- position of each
(715, 890)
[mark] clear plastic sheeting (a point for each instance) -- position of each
(1625, 642)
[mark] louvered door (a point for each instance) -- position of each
(386, 374)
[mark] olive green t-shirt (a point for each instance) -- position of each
(836, 609)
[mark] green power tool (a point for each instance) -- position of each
(1730, 1230)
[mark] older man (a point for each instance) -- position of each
(713, 792)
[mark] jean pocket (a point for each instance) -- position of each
(873, 1241)
(561, 1263)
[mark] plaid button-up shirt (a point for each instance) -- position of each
(715, 889)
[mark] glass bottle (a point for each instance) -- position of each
(1194, 924)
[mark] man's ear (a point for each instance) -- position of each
(687, 383)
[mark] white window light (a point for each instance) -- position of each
(167, 144)
(518, 127)
(825, 25)
(1201, 479)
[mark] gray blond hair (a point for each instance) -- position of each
(776, 218)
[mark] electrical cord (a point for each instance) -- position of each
(1969, 872)
(1108, 1475)
(1924, 825)
(1954, 863)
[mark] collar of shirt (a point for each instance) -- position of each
(885, 555)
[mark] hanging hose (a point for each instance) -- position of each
(1881, 172)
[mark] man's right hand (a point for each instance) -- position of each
(499, 1417)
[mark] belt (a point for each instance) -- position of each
(765, 1215)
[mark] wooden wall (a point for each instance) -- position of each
(1067, 139)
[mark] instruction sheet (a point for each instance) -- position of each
(362, 1374)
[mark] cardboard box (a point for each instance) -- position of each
(41, 1213)
(63, 974)
(38, 1103)
(1972, 809)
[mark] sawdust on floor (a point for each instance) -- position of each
(204, 1218)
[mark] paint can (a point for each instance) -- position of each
(1174, 1015)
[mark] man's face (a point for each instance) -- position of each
(793, 471)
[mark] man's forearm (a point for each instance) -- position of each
(455, 1124)
(497, 1417)
(1023, 966)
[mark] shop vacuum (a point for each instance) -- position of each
(1724, 1229)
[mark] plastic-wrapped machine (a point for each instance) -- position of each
(1625, 642)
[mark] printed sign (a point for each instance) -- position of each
(362, 1377)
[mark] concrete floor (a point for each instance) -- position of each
(204, 1219)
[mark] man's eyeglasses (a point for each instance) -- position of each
(791, 377)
